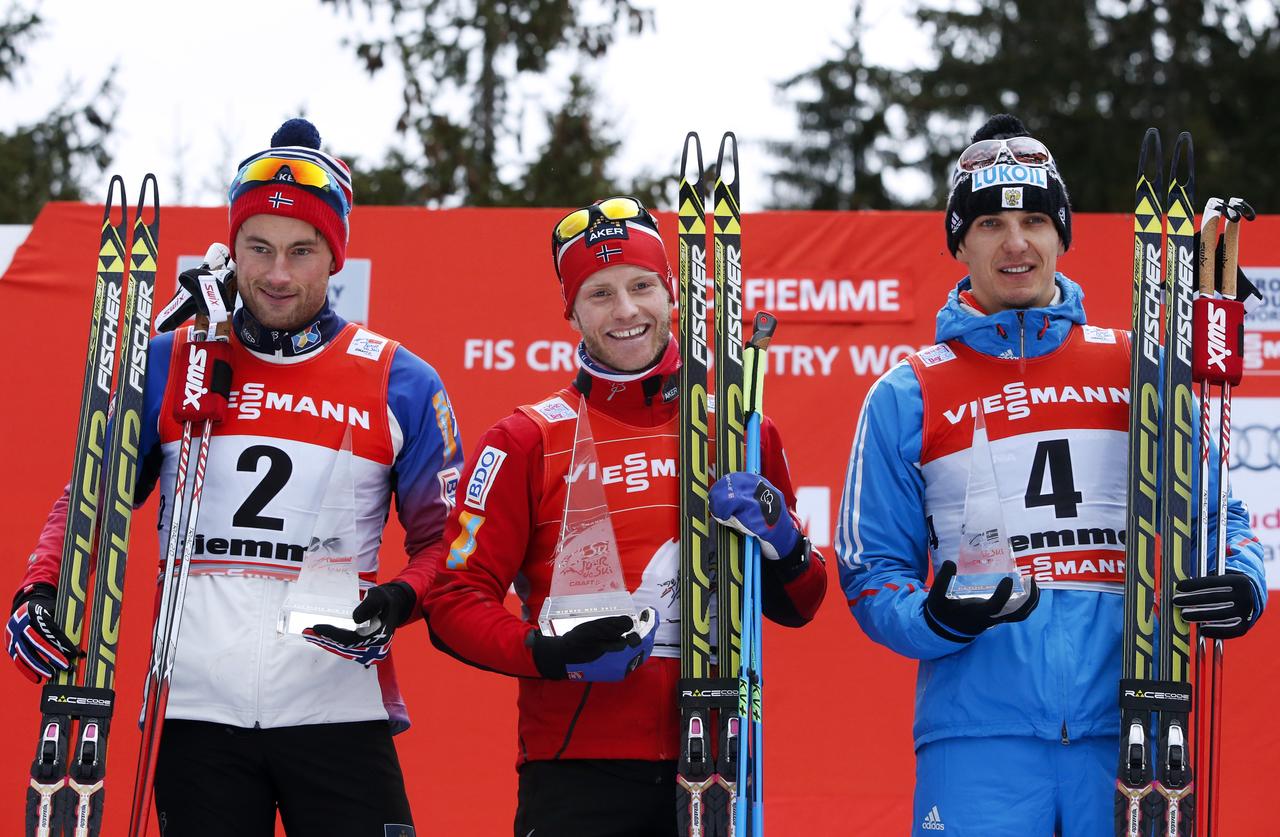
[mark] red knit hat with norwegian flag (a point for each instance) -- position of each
(605, 243)
(295, 179)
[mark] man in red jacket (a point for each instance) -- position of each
(597, 751)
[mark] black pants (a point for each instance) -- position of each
(214, 780)
(597, 798)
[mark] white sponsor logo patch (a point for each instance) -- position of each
(555, 409)
(487, 466)
(366, 344)
(1011, 197)
(933, 355)
(1217, 337)
(448, 485)
(1009, 176)
(195, 388)
(1093, 334)
(933, 821)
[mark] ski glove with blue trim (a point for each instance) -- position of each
(1222, 605)
(603, 650)
(32, 637)
(385, 608)
(750, 504)
(961, 620)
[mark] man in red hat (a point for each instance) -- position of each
(258, 722)
(599, 723)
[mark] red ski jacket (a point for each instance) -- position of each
(502, 534)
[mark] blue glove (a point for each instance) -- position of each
(385, 608)
(750, 504)
(32, 637)
(603, 650)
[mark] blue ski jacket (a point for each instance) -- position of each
(1054, 675)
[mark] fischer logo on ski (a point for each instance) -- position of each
(1184, 299)
(107, 347)
(1151, 302)
(141, 338)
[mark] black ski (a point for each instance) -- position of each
(1175, 801)
(729, 440)
(697, 690)
(1134, 774)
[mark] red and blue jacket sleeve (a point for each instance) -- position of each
(882, 537)
(791, 595)
(484, 551)
(427, 466)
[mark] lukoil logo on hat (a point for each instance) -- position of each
(1007, 175)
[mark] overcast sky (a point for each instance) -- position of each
(196, 96)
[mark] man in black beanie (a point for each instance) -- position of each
(1017, 724)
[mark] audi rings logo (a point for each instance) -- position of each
(1255, 447)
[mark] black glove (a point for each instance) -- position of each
(1222, 605)
(190, 301)
(605, 649)
(961, 620)
(385, 607)
(32, 636)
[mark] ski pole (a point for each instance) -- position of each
(208, 346)
(750, 797)
(1220, 322)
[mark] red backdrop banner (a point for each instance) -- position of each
(473, 292)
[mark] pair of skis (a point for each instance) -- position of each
(712, 774)
(66, 792)
(1155, 787)
(1154, 783)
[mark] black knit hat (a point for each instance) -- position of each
(1005, 186)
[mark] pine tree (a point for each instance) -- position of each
(840, 158)
(476, 49)
(49, 159)
(1086, 76)
(572, 165)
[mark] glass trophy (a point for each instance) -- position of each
(985, 558)
(586, 581)
(328, 586)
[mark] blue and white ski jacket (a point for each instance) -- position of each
(1054, 675)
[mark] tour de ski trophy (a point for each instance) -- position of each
(587, 581)
(328, 586)
(984, 559)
